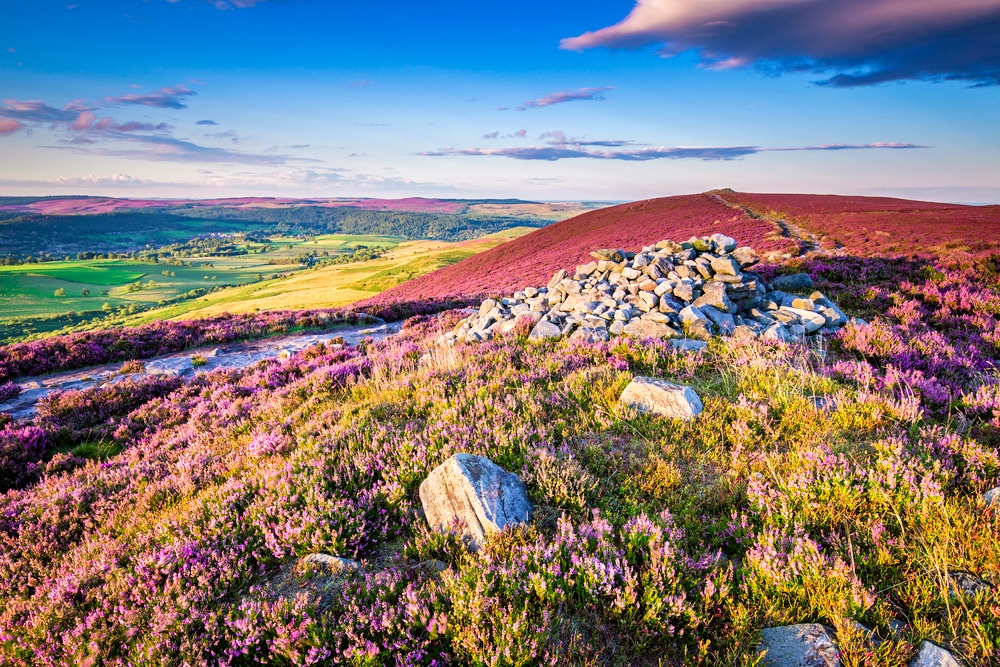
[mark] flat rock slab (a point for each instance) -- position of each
(932, 655)
(803, 645)
(662, 398)
(475, 496)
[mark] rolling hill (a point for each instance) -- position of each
(777, 225)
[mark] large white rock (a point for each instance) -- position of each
(662, 398)
(474, 495)
(932, 655)
(545, 329)
(649, 329)
(803, 645)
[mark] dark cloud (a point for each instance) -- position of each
(849, 42)
(164, 98)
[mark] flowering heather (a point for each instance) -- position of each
(882, 226)
(832, 484)
(89, 348)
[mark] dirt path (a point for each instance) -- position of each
(231, 355)
(806, 240)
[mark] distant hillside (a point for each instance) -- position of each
(790, 224)
(53, 227)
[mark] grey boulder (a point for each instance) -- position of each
(795, 281)
(662, 398)
(475, 496)
(932, 655)
(803, 645)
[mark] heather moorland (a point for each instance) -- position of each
(841, 479)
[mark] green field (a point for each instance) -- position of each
(31, 295)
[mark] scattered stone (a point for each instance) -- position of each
(662, 398)
(332, 564)
(795, 281)
(968, 583)
(992, 497)
(475, 496)
(688, 344)
(723, 244)
(803, 645)
(932, 655)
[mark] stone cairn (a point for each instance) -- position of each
(692, 290)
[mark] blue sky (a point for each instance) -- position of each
(551, 100)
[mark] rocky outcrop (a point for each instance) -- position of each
(697, 289)
(662, 398)
(474, 496)
(803, 645)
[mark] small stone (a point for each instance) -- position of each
(641, 328)
(630, 274)
(778, 331)
(803, 304)
(332, 564)
(557, 278)
(726, 266)
(968, 583)
(701, 245)
(745, 256)
(932, 655)
(590, 334)
(475, 495)
(650, 299)
(486, 307)
(662, 398)
(545, 329)
(803, 645)
(669, 246)
(688, 344)
(795, 281)
(684, 292)
(723, 244)
(608, 254)
(716, 295)
(724, 322)
(992, 497)
(586, 269)
(810, 320)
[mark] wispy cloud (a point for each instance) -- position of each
(162, 148)
(206, 122)
(590, 150)
(859, 42)
(578, 95)
(9, 126)
(164, 98)
(36, 111)
(520, 134)
(223, 5)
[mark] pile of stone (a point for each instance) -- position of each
(695, 290)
